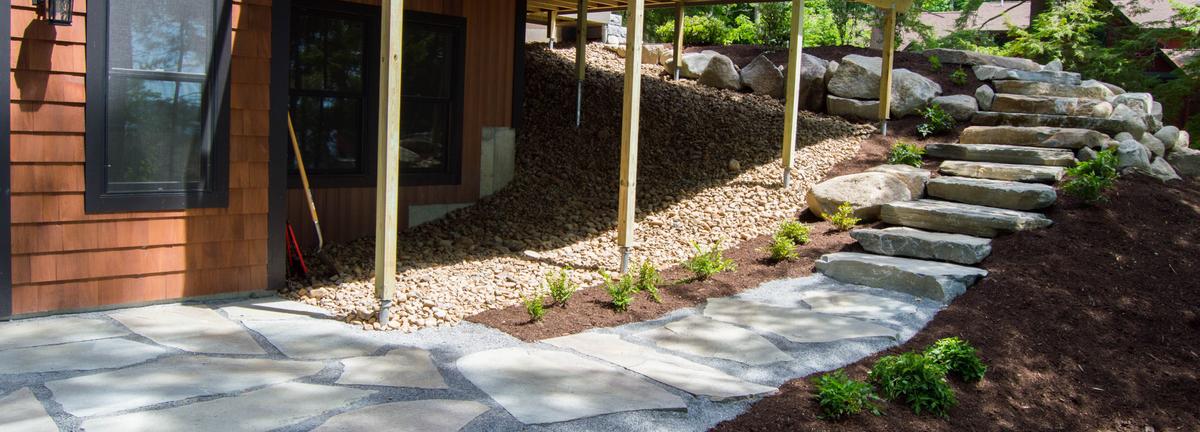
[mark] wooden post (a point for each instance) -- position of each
(679, 15)
(791, 106)
(885, 74)
(630, 117)
(387, 186)
(551, 28)
(580, 57)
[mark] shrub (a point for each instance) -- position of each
(937, 121)
(903, 153)
(915, 380)
(535, 306)
(697, 30)
(620, 290)
(648, 279)
(958, 357)
(935, 63)
(795, 231)
(707, 263)
(840, 397)
(782, 248)
(561, 287)
(774, 23)
(1089, 180)
(844, 218)
(959, 77)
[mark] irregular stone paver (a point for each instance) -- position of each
(930, 279)
(914, 243)
(704, 337)
(993, 193)
(56, 331)
(856, 304)
(272, 309)
(171, 379)
(944, 216)
(1009, 154)
(260, 410)
(20, 411)
(671, 370)
(190, 328)
(401, 367)
(796, 325)
(415, 416)
(544, 386)
(80, 356)
(1000, 171)
(316, 339)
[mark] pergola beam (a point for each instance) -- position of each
(630, 119)
(387, 186)
(791, 109)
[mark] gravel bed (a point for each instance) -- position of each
(708, 171)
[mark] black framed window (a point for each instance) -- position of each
(157, 113)
(432, 88)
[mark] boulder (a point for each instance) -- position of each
(984, 95)
(693, 64)
(1185, 140)
(1111, 88)
(1132, 154)
(812, 82)
(1169, 135)
(1154, 145)
(865, 192)
(762, 77)
(961, 107)
(974, 220)
(651, 53)
(1035, 88)
(857, 77)
(1141, 103)
(994, 73)
(1126, 119)
(852, 108)
(1186, 161)
(1086, 154)
(1054, 66)
(911, 92)
(721, 73)
(962, 57)
(993, 193)
(1159, 169)
(913, 177)
(1038, 136)
(914, 243)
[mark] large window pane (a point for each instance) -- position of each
(424, 135)
(154, 135)
(160, 35)
(329, 130)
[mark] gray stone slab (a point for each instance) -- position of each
(171, 379)
(1034, 88)
(796, 325)
(1112, 126)
(196, 329)
(21, 334)
(993, 193)
(857, 304)
(272, 308)
(401, 367)
(990, 73)
(1041, 136)
(77, 356)
(545, 386)
(930, 279)
(914, 243)
(438, 415)
(1000, 171)
(969, 219)
(20, 411)
(954, 56)
(1002, 154)
(1052, 105)
(316, 339)
(704, 337)
(668, 369)
(260, 410)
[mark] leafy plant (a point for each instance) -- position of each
(959, 77)
(1089, 180)
(840, 397)
(958, 357)
(844, 218)
(697, 30)
(620, 290)
(648, 280)
(903, 153)
(704, 263)
(915, 380)
(935, 63)
(796, 231)
(782, 248)
(536, 307)
(561, 287)
(937, 121)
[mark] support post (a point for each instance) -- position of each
(387, 187)
(885, 74)
(679, 15)
(552, 28)
(791, 106)
(581, 31)
(630, 117)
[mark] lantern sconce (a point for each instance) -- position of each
(57, 12)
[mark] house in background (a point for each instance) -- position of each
(993, 18)
(603, 27)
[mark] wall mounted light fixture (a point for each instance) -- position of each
(57, 12)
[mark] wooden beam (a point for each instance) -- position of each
(885, 74)
(581, 31)
(387, 186)
(630, 118)
(791, 105)
(679, 16)
(551, 28)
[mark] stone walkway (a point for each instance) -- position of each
(270, 364)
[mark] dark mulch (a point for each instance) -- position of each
(1089, 325)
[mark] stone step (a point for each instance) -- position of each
(1089, 89)
(929, 279)
(959, 218)
(1002, 154)
(995, 73)
(993, 193)
(1111, 126)
(914, 243)
(1001, 171)
(1054, 105)
(1036, 136)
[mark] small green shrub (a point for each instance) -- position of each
(915, 380)
(561, 287)
(1089, 180)
(707, 263)
(844, 218)
(536, 307)
(959, 77)
(958, 357)
(782, 248)
(796, 231)
(841, 397)
(648, 280)
(937, 121)
(935, 63)
(620, 290)
(903, 153)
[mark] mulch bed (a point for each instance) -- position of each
(1091, 324)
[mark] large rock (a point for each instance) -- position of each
(813, 74)
(929, 279)
(1132, 154)
(762, 77)
(1126, 119)
(972, 58)
(1186, 161)
(984, 96)
(1142, 103)
(911, 92)
(943, 216)
(1000, 171)
(993, 193)
(864, 191)
(915, 178)
(1111, 87)
(1160, 169)
(852, 108)
(1038, 136)
(1002, 154)
(721, 73)
(914, 243)
(1118, 123)
(693, 64)
(857, 77)
(993, 73)
(1169, 135)
(1155, 145)
(1051, 105)
(1035, 88)
(961, 107)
